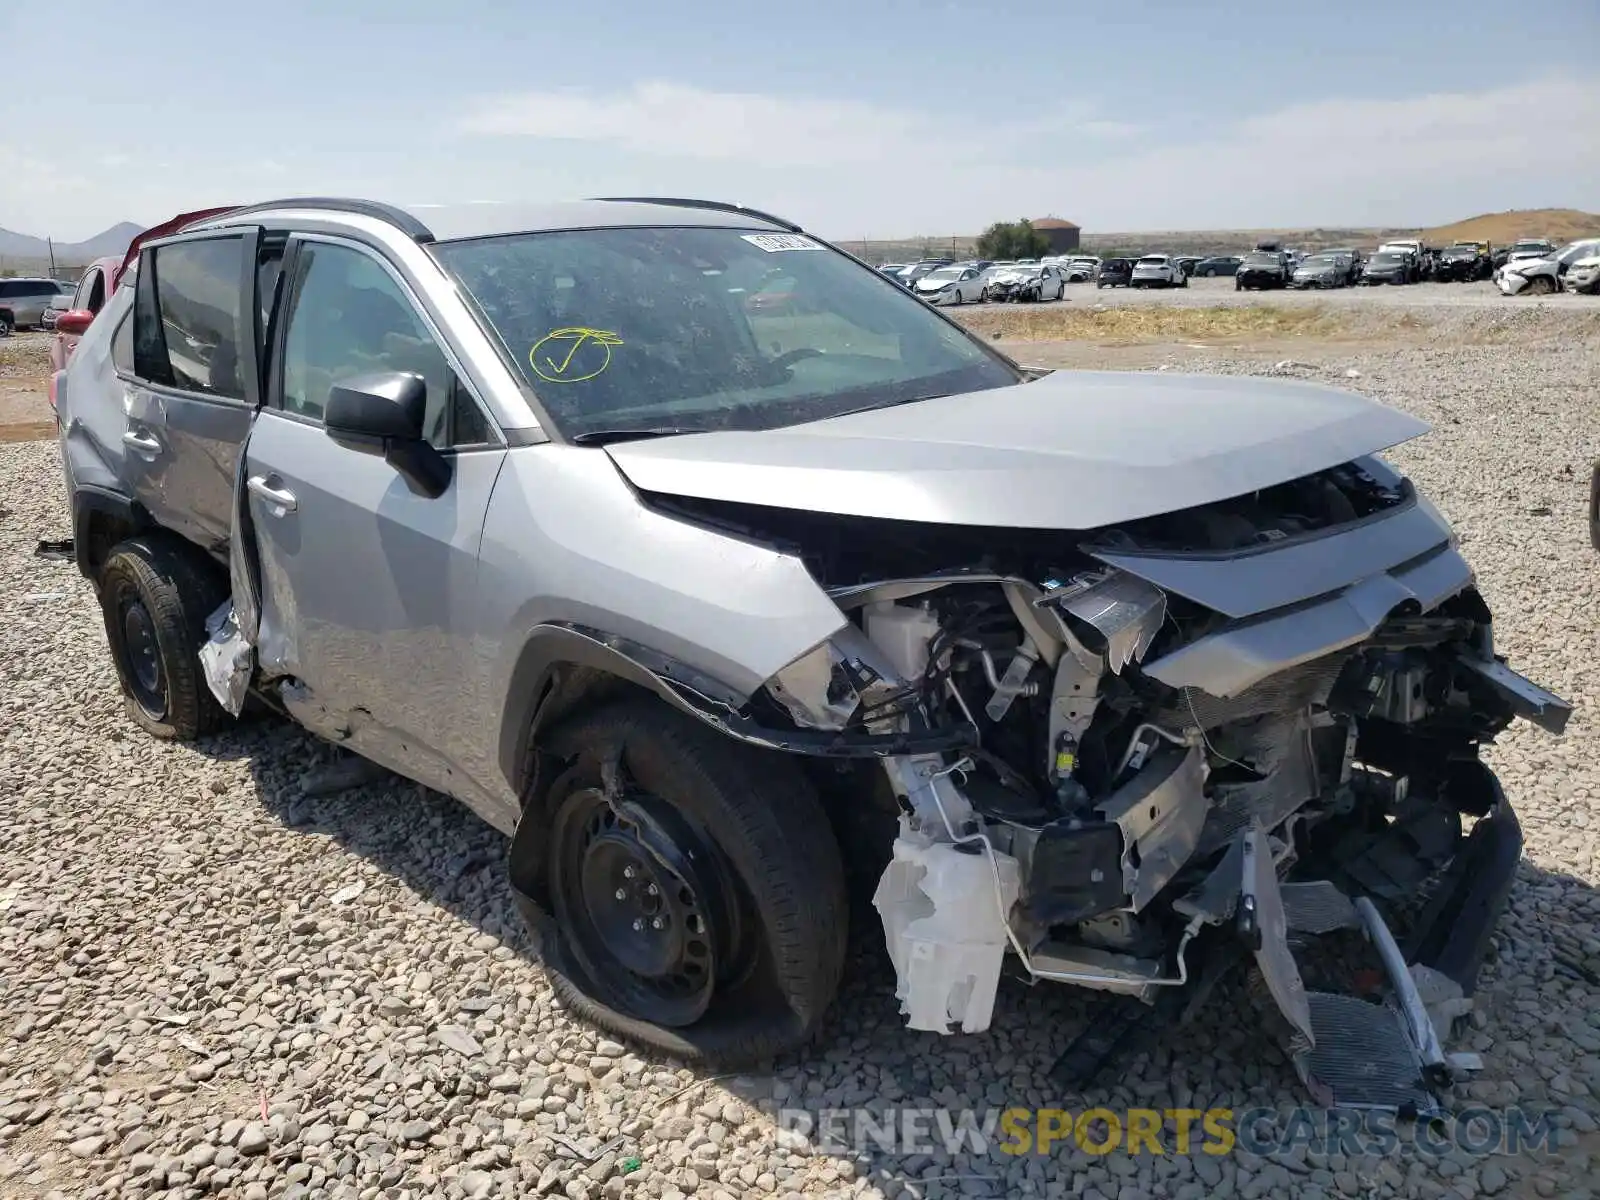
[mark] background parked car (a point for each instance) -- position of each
(1388, 266)
(1541, 276)
(917, 270)
(1218, 264)
(1463, 262)
(1024, 282)
(23, 301)
(1262, 269)
(951, 285)
(1158, 270)
(1326, 270)
(57, 306)
(1584, 275)
(1081, 270)
(1114, 272)
(1188, 262)
(1523, 248)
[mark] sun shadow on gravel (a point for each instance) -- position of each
(1540, 989)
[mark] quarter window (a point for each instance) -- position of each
(351, 317)
(186, 317)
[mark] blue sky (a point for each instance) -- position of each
(875, 118)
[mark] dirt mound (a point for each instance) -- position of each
(1557, 224)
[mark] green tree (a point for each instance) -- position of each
(1012, 239)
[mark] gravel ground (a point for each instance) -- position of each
(210, 984)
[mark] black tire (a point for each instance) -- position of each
(6, 325)
(769, 881)
(156, 592)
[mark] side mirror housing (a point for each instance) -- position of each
(383, 414)
(74, 321)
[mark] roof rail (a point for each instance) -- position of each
(398, 217)
(712, 205)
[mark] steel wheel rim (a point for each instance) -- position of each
(642, 894)
(142, 650)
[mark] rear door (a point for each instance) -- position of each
(194, 381)
(369, 588)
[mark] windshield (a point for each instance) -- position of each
(1321, 260)
(1153, 260)
(698, 329)
(945, 274)
(1387, 258)
(1262, 260)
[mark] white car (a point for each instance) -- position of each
(951, 285)
(1543, 275)
(1584, 275)
(1158, 270)
(1082, 269)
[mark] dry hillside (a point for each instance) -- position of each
(1557, 224)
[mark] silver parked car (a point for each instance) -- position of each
(703, 589)
(23, 301)
(951, 285)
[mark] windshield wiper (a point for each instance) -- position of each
(602, 437)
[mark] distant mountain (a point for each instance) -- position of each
(112, 241)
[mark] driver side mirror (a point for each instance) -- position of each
(74, 321)
(383, 413)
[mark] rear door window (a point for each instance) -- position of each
(186, 317)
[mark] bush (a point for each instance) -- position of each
(1014, 239)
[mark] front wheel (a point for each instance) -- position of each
(6, 325)
(686, 890)
(1541, 285)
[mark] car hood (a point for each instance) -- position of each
(1072, 450)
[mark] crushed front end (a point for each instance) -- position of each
(1130, 759)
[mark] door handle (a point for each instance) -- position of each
(141, 441)
(275, 496)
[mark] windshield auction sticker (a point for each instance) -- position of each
(773, 242)
(572, 355)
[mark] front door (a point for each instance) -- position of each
(369, 588)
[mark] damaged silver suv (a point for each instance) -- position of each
(706, 564)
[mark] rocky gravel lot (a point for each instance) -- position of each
(211, 984)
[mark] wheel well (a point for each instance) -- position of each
(101, 531)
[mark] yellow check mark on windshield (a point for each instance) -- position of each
(588, 353)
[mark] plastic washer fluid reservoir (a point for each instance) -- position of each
(946, 935)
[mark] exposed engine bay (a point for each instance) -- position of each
(1132, 774)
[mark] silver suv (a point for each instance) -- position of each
(23, 301)
(714, 586)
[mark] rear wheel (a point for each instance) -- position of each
(6, 324)
(688, 893)
(155, 594)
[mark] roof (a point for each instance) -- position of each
(1053, 223)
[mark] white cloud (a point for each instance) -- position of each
(851, 168)
(673, 119)
(843, 165)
